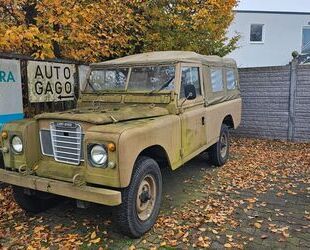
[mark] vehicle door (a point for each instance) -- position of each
(192, 111)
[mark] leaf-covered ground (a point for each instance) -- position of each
(260, 199)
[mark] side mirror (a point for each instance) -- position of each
(190, 92)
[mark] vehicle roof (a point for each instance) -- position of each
(161, 57)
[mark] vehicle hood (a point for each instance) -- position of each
(100, 116)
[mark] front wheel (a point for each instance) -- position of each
(141, 200)
(219, 152)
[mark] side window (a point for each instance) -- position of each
(190, 75)
(217, 80)
(231, 79)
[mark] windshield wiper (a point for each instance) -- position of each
(163, 86)
(90, 85)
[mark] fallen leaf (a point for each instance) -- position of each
(264, 236)
(162, 244)
(179, 235)
(38, 229)
(58, 227)
(228, 245)
(95, 241)
(93, 235)
(257, 225)
(252, 200)
(185, 235)
(19, 228)
(291, 192)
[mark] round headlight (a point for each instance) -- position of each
(17, 144)
(98, 156)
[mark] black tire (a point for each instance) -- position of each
(216, 152)
(34, 201)
(1, 160)
(127, 216)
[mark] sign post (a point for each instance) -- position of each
(50, 82)
(11, 98)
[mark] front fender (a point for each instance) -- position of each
(163, 131)
(27, 129)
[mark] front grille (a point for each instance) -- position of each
(64, 142)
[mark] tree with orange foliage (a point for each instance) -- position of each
(87, 30)
(95, 30)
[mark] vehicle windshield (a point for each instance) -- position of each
(140, 79)
(108, 79)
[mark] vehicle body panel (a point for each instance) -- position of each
(162, 131)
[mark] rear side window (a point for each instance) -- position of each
(190, 75)
(217, 80)
(231, 79)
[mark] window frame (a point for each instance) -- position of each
(130, 67)
(200, 98)
(302, 36)
(263, 34)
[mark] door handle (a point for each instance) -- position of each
(203, 121)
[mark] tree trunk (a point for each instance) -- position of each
(56, 46)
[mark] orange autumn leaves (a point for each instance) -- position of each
(198, 26)
(81, 30)
(93, 30)
(237, 207)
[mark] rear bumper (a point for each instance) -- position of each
(85, 193)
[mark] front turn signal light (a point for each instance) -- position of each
(4, 135)
(111, 147)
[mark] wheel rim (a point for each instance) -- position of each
(224, 145)
(146, 197)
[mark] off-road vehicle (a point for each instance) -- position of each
(137, 115)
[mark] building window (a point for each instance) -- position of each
(257, 33)
(217, 80)
(305, 40)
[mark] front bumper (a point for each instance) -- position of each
(85, 193)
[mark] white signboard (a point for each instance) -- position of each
(11, 98)
(50, 82)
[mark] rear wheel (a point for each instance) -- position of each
(1, 160)
(34, 201)
(141, 200)
(219, 152)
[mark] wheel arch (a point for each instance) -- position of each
(229, 121)
(157, 153)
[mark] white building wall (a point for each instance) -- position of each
(282, 36)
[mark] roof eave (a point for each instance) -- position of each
(272, 12)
